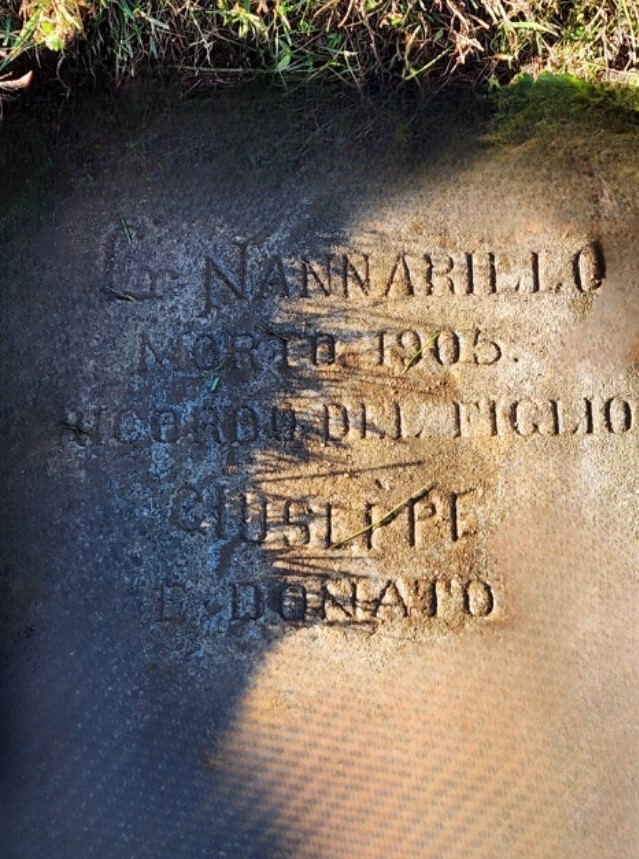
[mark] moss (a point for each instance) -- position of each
(561, 104)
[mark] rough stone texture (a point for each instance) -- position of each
(255, 334)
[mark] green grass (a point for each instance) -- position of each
(484, 42)
(552, 104)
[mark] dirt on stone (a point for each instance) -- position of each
(320, 492)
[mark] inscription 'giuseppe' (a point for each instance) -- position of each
(277, 522)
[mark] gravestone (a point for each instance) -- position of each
(320, 497)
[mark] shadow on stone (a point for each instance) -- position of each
(266, 391)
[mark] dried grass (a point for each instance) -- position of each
(485, 42)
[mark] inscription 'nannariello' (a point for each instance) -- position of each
(398, 274)
(241, 270)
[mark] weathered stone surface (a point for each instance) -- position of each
(320, 499)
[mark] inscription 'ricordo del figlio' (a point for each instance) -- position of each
(390, 365)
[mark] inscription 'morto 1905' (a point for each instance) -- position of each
(287, 348)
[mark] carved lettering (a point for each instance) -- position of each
(316, 278)
(589, 268)
(348, 600)
(245, 272)
(436, 515)
(400, 281)
(247, 603)
(169, 599)
(220, 284)
(357, 421)
(353, 276)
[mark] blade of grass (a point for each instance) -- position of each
(386, 518)
(123, 296)
(432, 339)
(127, 231)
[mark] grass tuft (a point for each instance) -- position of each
(486, 42)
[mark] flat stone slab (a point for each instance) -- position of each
(319, 499)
